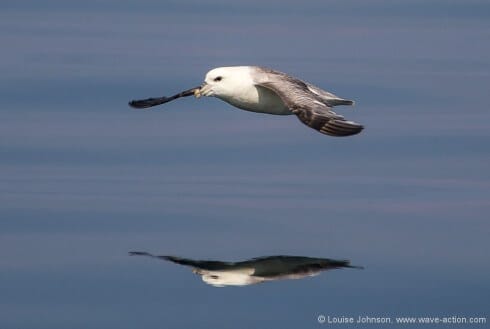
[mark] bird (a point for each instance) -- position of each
(263, 90)
(255, 270)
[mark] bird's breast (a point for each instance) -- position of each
(258, 99)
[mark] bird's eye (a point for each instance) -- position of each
(218, 78)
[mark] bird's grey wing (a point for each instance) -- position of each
(280, 266)
(321, 95)
(274, 266)
(270, 266)
(308, 106)
(328, 98)
(210, 265)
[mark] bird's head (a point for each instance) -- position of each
(223, 82)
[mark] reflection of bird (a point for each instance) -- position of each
(263, 90)
(255, 270)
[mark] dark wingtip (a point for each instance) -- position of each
(341, 128)
(147, 254)
(154, 101)
(139, 253)
(356, 267)
(133, 104)
(136, 104)
(146, 103)
(346, 264)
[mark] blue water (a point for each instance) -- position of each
(84, 179)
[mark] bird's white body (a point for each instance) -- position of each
(245, 277)
(237, 88)
(238, 277)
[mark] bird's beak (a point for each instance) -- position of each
(197, 92)
(204, 90)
